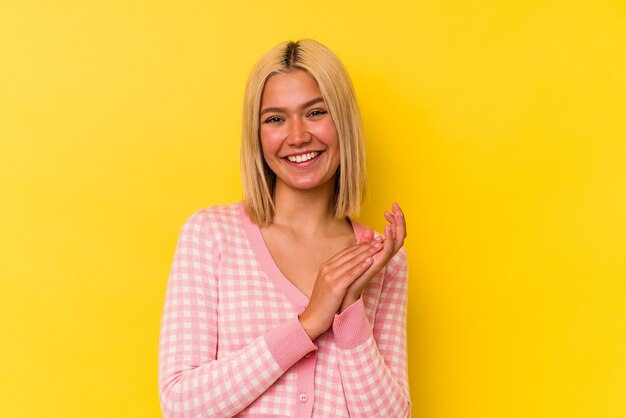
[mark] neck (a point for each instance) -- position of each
(310, 212)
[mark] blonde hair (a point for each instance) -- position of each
(337, 91)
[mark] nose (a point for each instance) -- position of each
(298, 133)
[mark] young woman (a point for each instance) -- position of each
(283, 306)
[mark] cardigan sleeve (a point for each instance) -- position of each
(192, 381)
(373, 360)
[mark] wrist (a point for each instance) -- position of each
(348, 300)
(310, 327)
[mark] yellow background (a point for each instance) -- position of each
(498, 125)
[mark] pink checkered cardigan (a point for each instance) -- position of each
(231, 343)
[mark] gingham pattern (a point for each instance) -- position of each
(374, 373)
(231, 344)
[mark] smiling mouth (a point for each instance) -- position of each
(303, 157)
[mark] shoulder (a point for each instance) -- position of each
(214, 220)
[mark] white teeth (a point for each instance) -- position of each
(303, 157)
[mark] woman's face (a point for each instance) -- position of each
(298, 136)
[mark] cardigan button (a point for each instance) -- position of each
(304, 397)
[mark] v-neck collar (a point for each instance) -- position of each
(298, 299)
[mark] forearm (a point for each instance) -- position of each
(217, 388)
(370, 385)
(194, 386)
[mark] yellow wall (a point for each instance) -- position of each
(499, 126)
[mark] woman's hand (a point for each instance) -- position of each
(334, 278)
(394, 234)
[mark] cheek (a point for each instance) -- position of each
(270, 141)
(327, 133)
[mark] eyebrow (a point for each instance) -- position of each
(304, 106)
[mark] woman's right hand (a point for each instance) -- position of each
(333, 280)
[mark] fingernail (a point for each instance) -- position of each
(378, 245)
(379, 238)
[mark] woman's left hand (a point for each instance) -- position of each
(394, 235)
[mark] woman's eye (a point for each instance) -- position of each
(273, 119)
(317, 112)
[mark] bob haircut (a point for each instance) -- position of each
(338, 93)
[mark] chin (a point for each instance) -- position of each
(308, 185)
(304, 186)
